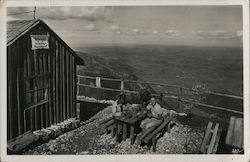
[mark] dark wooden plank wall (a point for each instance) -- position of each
(35, 76)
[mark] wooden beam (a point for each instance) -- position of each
(70, 85)
(74, 86)
(124, 131)
(154, 143)
(13, 98)
(217, 141)
(22, 82)
(78, 83)
(45, 92)
(67, 84)
(167, 85)
(50, 82)
(35, 84)
(37, 76)
(41, 94)
(98, 82)
(35, 90)
(30, 83)
(37, 104)
(235, 132)
(158, 129)
(53, 88)
(206, 137)
(132, 134)
(18, 100)
(122, 85)
(57, 82)
(213, 107)
(10, 90)
(214, 136)
(144, 134)
(63, 84)
(109, 89)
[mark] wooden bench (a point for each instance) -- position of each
(235, 132)
(149, 136)
(211, 139)
(108, 124)
(19, 143)
(122, 125)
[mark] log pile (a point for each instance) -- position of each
(31, 139)
(54, 131)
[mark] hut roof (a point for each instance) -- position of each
(17, 28)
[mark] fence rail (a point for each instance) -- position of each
(179, 96)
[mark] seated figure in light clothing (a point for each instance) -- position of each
(156, 114)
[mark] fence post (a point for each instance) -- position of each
(180, 99)
(98, 82)
(122, 85)
(78, 87)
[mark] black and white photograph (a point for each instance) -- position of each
(126, 80)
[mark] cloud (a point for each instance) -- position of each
(90, 27)
(172, 33)
(239, 33)
(114, 28)
(217, 34)
(96, 13)
(135, 31)
(155, 32)
(212, 34)
(118, 32)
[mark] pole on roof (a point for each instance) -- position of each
(34, 13)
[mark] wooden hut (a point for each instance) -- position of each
(41, 77)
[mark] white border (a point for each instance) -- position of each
(112, 158)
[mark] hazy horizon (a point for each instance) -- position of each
(134, 44)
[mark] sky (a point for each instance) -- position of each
(160, 25)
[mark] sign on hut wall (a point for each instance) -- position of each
(39, 42)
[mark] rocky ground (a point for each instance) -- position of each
(91, 139)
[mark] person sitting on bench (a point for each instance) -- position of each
(120, 105)
(156, 114)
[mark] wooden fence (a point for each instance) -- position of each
(180, 97)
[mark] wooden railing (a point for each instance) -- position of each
(179, 96)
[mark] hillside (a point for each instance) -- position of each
(217, 69)
(109, 68)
